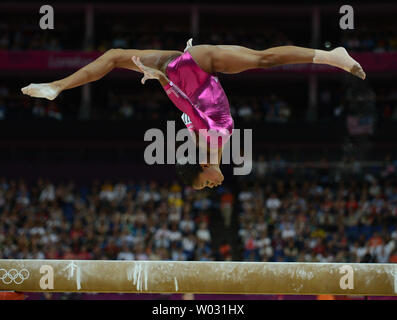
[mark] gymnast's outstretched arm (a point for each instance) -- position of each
(113, 58)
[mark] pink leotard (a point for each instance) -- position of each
(201, 98)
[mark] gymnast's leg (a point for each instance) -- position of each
(113, 58)
(235, 59)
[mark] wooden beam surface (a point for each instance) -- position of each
(198, 277)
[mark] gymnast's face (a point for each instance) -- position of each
(211, 176)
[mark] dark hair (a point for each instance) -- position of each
(187, 172)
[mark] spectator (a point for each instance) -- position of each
(125, 253)
(260, 167)
(227, 208)
(3, 109)
(273, 203)
(203, 233)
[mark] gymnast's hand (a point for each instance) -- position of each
(149, 73)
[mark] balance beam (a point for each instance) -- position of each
(198, 277)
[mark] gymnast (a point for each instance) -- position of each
(190, 80)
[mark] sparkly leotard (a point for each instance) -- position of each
(201, 98)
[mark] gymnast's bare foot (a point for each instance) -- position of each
(349, 64)
(42, 90)
(339, 57)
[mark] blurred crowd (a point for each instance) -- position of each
(386, 100)
(325, 212)
(154, 105)
(123, 221)
(14, 105)
(333, 213)
(123, 36)
(258, 38)
(148, 105)
(270, 108)
(118, 32)
(371, 38)
(25, 34)
(265, 108)
(143, 35)
(22, 35)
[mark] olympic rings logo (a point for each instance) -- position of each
(14, 275)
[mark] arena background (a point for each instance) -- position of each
(73, 182)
